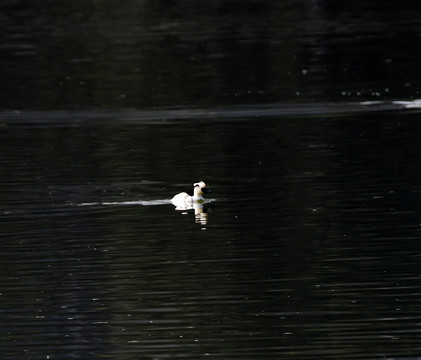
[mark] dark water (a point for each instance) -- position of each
(302, 116)
(184, 53)
(311, 247)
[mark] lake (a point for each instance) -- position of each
(308, 246)
(301, 116)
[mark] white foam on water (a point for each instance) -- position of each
(406, 104)
(414, 104)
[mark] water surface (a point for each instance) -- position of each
(302, 116)
(310, 247)
(183, 53)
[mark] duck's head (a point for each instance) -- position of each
(200, 188)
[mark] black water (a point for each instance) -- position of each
(183, 53)
(310, 250)
(301, 116)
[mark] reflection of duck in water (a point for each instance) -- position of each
(200, 213)
(184, 201)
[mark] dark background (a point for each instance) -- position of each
(144, 54)
(312, 244)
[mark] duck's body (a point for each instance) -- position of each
(184, 200)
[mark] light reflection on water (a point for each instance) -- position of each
(311, 246)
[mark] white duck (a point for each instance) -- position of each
(186, 201)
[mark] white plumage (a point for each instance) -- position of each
(186, 201)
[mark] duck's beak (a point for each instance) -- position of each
(206, 190)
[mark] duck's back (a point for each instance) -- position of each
(180, 198)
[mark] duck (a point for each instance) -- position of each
(186, 201)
